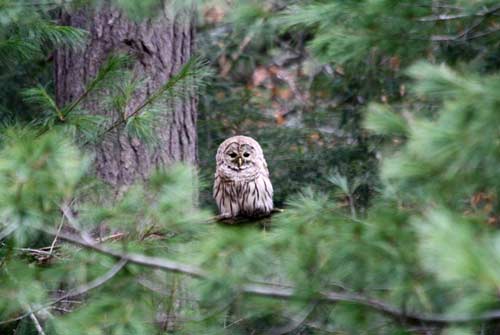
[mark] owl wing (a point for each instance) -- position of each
(264, 170)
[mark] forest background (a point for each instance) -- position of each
(379, 122)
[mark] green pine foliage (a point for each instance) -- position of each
(28, 35)
(411, 89)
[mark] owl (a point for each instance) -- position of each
(242, 186)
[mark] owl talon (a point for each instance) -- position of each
(226, 219)
(223, 216)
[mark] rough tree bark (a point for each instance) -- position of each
(161, 45)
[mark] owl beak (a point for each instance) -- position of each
(240, 162)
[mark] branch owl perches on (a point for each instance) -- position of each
(242, 186)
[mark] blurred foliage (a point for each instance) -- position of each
(329, 88)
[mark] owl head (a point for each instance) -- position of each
(240, 154)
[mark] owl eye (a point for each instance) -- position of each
(233, 155)
(246, 154)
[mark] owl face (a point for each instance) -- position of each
(240, 156)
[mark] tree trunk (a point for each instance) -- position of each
(161, 46)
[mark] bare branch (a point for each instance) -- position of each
(443, 17)
(152, 262)
(446, 38)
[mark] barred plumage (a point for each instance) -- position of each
(242, 186)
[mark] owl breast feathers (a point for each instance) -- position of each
(242, 186)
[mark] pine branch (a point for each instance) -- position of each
(189, 70)
(48, 34)
(271, 290)
(17, 49)
(39, 96)
(113, 66)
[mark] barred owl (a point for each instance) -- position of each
(242, 186)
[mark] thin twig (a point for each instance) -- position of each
(57, 234)
(484, 33)
(443, 17)
(66, 210)
(467, 31)
(38, 326)
(447, 38)
(113, 237)
(352, 206)
(233, 323)
(34, 251)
